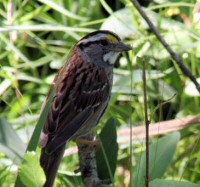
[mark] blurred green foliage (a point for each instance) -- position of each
(35, 39)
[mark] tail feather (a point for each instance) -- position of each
(50, 164)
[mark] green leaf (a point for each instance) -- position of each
(107, 155)
(32, 145)
(30, 172)
(134, 23)
(117, 24)
(122, 84)
(10, 143)
(62, 10)
(170, 183)
(175, 40)
(190, 88)
(161, 154)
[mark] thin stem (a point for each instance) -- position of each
(147, 122)
(131, 127)
(174, 55)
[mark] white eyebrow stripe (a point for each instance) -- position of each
(92, 39)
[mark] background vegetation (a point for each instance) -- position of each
(35, 38)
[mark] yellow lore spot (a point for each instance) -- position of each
(113, 39)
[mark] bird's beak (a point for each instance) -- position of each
(122, 47)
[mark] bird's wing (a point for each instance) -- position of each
(78, 96)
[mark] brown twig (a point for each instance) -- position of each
(156, 129)
(174, 55)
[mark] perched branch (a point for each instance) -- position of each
(174, 55)
(88, 165)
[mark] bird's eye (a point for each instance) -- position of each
(104, 42)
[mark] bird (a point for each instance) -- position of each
(83, 90)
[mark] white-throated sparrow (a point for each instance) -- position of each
(81, 97)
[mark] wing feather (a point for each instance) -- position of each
(77, 98)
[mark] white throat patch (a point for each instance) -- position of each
(110, 57)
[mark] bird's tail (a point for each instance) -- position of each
(50, 164)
